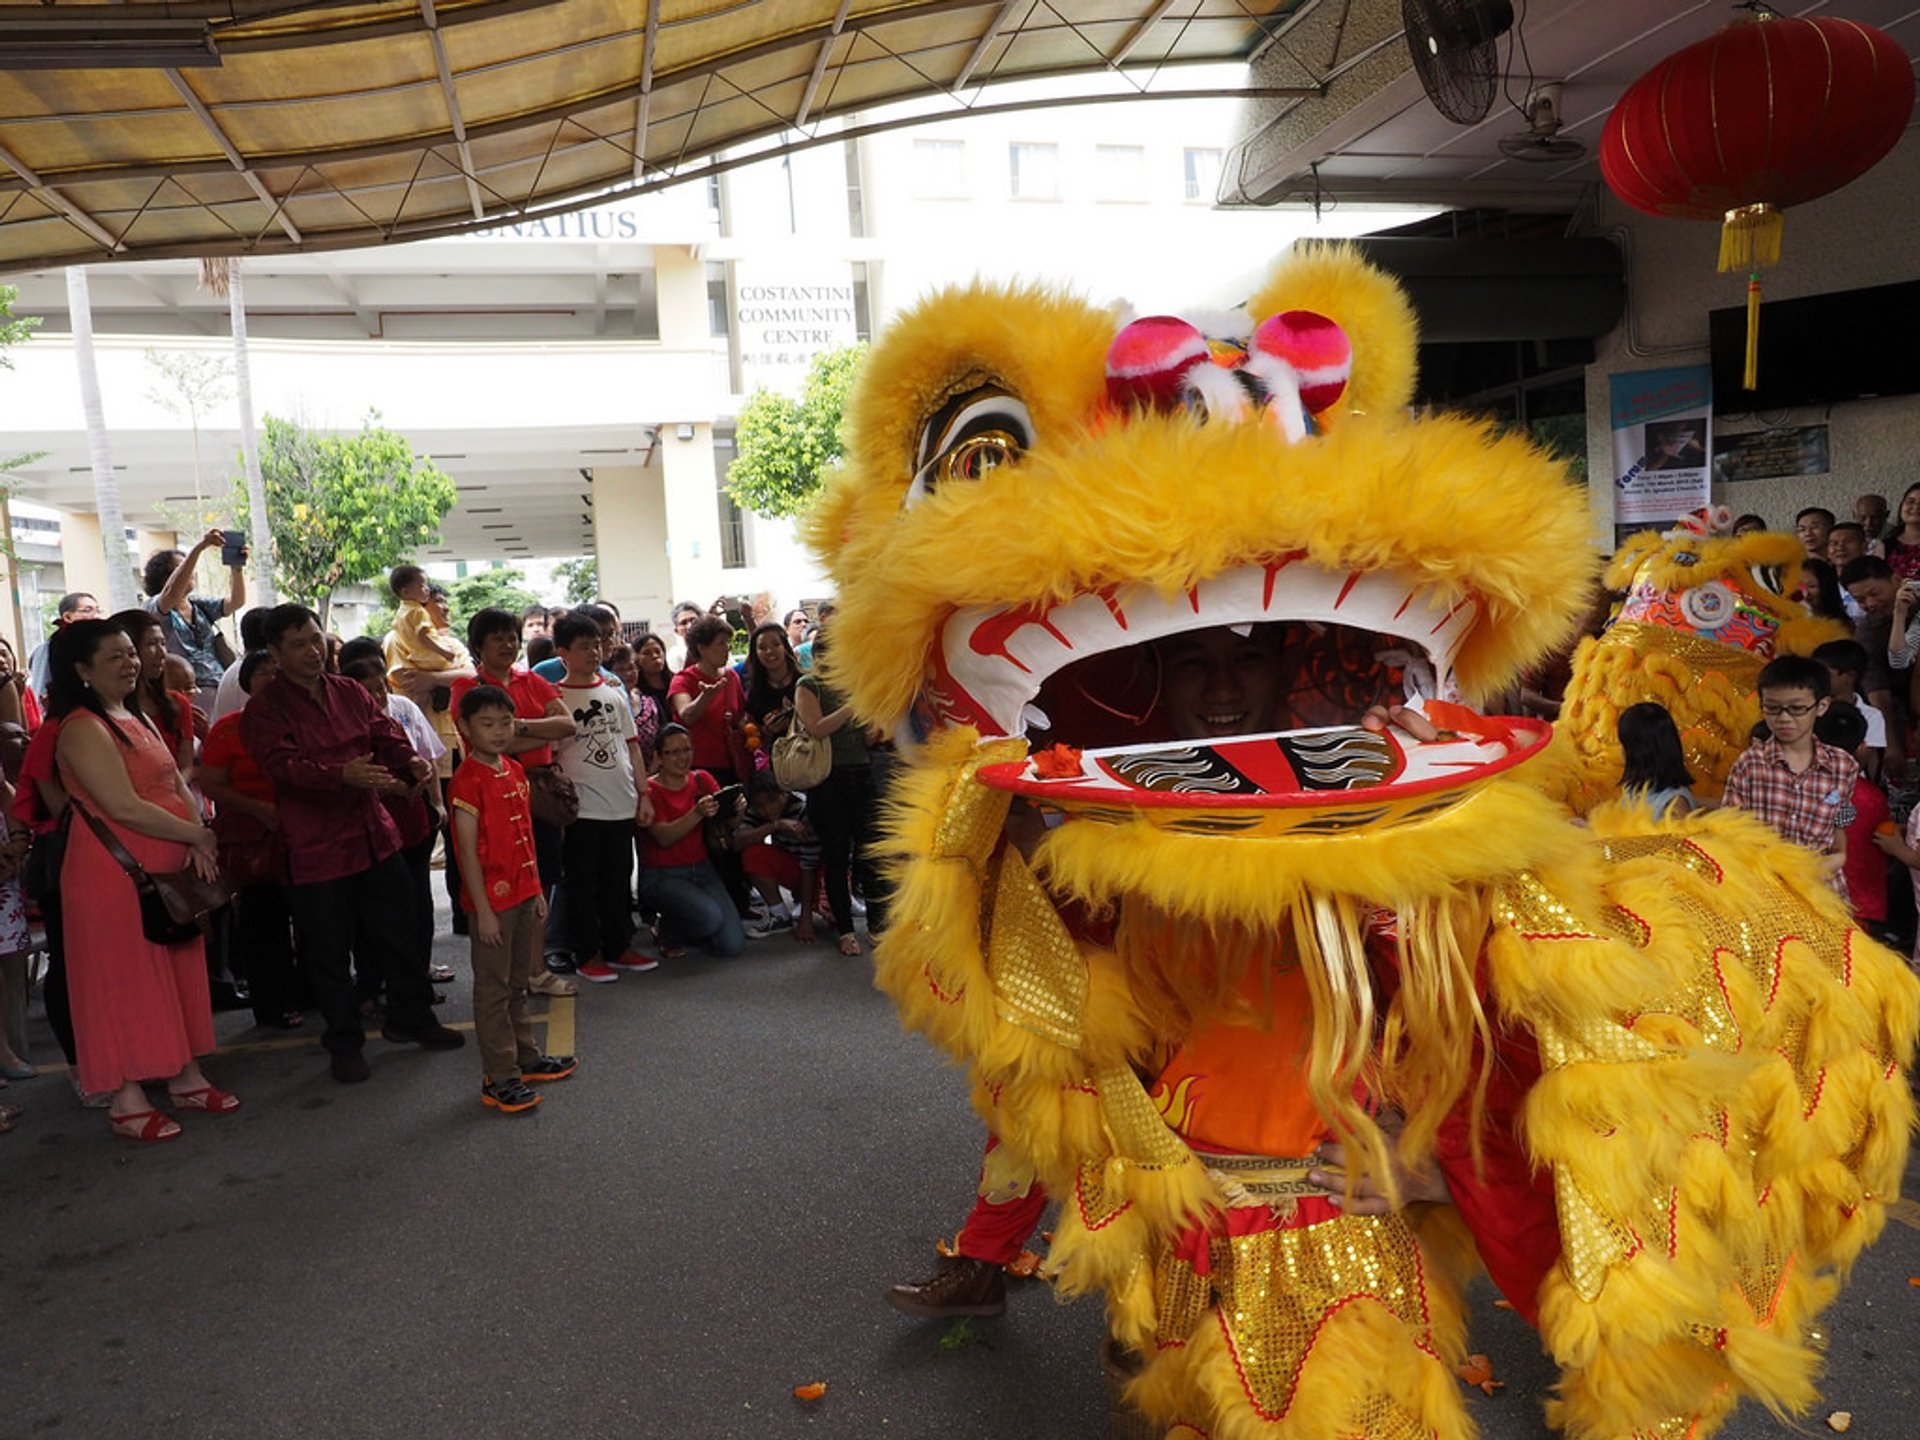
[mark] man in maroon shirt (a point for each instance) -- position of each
(331, 754)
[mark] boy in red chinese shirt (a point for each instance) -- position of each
(500, 890)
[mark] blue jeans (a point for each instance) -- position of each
(694, 907)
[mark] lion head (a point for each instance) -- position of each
(1040, 504)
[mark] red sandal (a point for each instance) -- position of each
(208, 1098)
(144, 1125)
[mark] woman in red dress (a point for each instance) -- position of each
(140, 1010)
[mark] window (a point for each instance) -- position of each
(1203, 174)
(1119, 172)
(940, 169)
(1034, 171)
(719, 313)
(733, 522)
(856, 201)
(862, 303)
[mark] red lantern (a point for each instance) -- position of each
(1768, 113)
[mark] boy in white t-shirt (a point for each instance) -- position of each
(599, 759)
(1846, 662)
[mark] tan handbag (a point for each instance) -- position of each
(800, 760)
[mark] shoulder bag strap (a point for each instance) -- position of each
(111, 841)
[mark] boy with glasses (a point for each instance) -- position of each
(1797, 784)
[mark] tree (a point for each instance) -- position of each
(106, 487)
(581, 577)
(13, 329)
(344, 508)
(483, 589)
(222, 277)
(782, 447)
(191, 383)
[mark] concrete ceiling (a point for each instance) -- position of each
(1371, 134)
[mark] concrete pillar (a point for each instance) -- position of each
(680, 273)
(629, 539)
(83, 558)
(693, 513)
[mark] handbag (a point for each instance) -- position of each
(551, 796)
(223, 649)
(801, 760)
(175, 905)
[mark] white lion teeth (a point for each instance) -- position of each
(1032, 717)
(1243, 631)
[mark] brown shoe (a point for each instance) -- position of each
(963, 1287)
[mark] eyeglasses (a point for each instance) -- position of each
(1798, 712)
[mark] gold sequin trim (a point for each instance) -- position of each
(973, 817)
(1039, 976)
(1181, 1300)
(1741, 667)
(1527, 905)
(1591, 1241)
(1140, 1137)
(1276, 1289)
(1097, 1206)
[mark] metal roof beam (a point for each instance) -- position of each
(820, 64)
(432, 18)
(53, 199)
(1139, 32)
(643, 104)
(985, 43)
(276, 211)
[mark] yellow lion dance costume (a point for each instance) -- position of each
(1179, 965)
(1702, 613)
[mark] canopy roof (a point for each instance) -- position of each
(143, 128)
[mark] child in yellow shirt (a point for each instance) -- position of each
(423, 657)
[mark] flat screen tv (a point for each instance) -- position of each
(1849, 345)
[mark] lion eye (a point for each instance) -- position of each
(968, 438)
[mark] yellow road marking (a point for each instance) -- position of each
(559, 1018)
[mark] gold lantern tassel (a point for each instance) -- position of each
(1750, 241)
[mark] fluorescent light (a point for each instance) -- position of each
(30, 41)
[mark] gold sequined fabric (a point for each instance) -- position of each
(1741, 667)
(1275, 1289)
(1591, 1241)
(1528, 905)
(1039, 976)
(1098, 1205)
(1140, 1136)
(973, 817)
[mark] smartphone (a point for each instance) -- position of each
(233, 547)
(728, 795)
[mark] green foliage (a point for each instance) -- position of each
(783, 447)
(581, 577)
(13, 329)
(343, 508)
(499, 589)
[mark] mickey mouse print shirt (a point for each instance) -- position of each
(598, 759)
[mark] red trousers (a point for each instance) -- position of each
(998, 1233)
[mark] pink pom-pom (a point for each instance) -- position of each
(1316, 348)
(1147, 360)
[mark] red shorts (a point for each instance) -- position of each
(777, 863)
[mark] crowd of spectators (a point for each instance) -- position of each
(322, 781)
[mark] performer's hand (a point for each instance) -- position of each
(1428, 1187)
(1412, 721)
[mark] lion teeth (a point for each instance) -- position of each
(1032, 717)
(1243, 631)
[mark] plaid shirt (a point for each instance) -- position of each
(1806, 808)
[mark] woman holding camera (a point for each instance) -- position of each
(189, 619)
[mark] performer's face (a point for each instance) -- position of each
(1217, 683)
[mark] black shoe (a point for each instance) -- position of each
(964, 1287)
(431, 1036)
(560, 962)
(549, 1067)
(350, 1068)
(509, 1097)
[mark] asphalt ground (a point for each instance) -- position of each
(700, 1220)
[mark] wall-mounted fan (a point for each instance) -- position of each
(1452, 42)
(1541, 143)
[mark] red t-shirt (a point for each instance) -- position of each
(531, 695)
(224, 749)
(670, 805)
(497, 799)
(1865, 869)
(711, 750)
(38, 766)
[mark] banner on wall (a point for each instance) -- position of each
(1771, 454)
(1662, 444)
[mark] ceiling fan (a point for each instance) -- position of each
(1541, 143)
